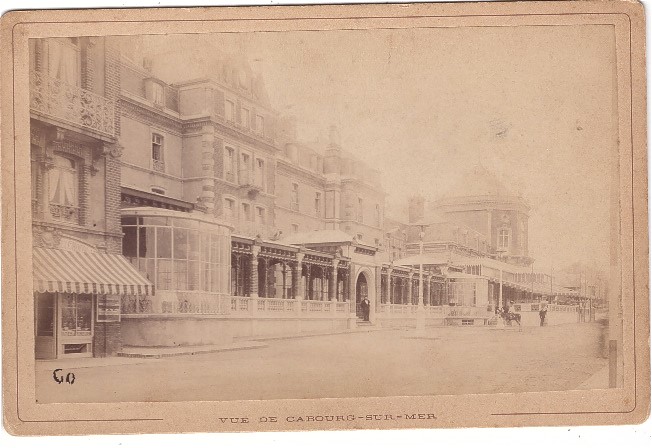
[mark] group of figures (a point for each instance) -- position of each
(508, 314)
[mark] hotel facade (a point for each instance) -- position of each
(174, 212)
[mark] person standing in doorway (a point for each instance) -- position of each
(366, 305)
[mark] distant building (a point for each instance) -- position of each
(480, 229)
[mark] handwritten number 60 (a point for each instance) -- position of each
(59, 378)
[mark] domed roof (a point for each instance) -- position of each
(479, 182)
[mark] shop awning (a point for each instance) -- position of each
(86, 273)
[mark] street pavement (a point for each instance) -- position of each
(449, 360)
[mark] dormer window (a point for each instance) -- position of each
(154, 92)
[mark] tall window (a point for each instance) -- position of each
(260, 124)
(295, 228)
(245, 167)
(246, 117)
(64, 61)
(360, 210)
(260, 173)
(229, 209)
(377, 215)
(246, 212)
(229, 164)
(157, 152)
(229, 110)
(318, 204)
(294, 199)
(260, 215)
(63, 188)
(503, 239)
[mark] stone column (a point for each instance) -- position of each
(308, 290)
(410, 286)
(351, 295)
(426, 291)
(296, 278)
(253, 284)
(389, 287)
(332, 282)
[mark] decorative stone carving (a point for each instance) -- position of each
(48, 237)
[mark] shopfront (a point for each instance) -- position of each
(75, 292)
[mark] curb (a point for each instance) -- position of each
(190, 352)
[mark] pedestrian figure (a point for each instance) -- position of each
(366, 305)
(542, 312)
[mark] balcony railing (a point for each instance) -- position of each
(71, 104)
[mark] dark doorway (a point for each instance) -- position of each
(361, 293)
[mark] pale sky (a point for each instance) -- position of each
(533, 104)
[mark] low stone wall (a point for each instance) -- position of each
(175, 330)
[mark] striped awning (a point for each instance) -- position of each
(86, 272)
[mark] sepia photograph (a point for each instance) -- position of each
(325, 213)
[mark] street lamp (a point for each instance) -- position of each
(421, 311)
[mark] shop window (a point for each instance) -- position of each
(76, 314)
(64, 187)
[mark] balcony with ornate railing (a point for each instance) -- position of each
(73, 105)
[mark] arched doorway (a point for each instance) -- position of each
(361, 293)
